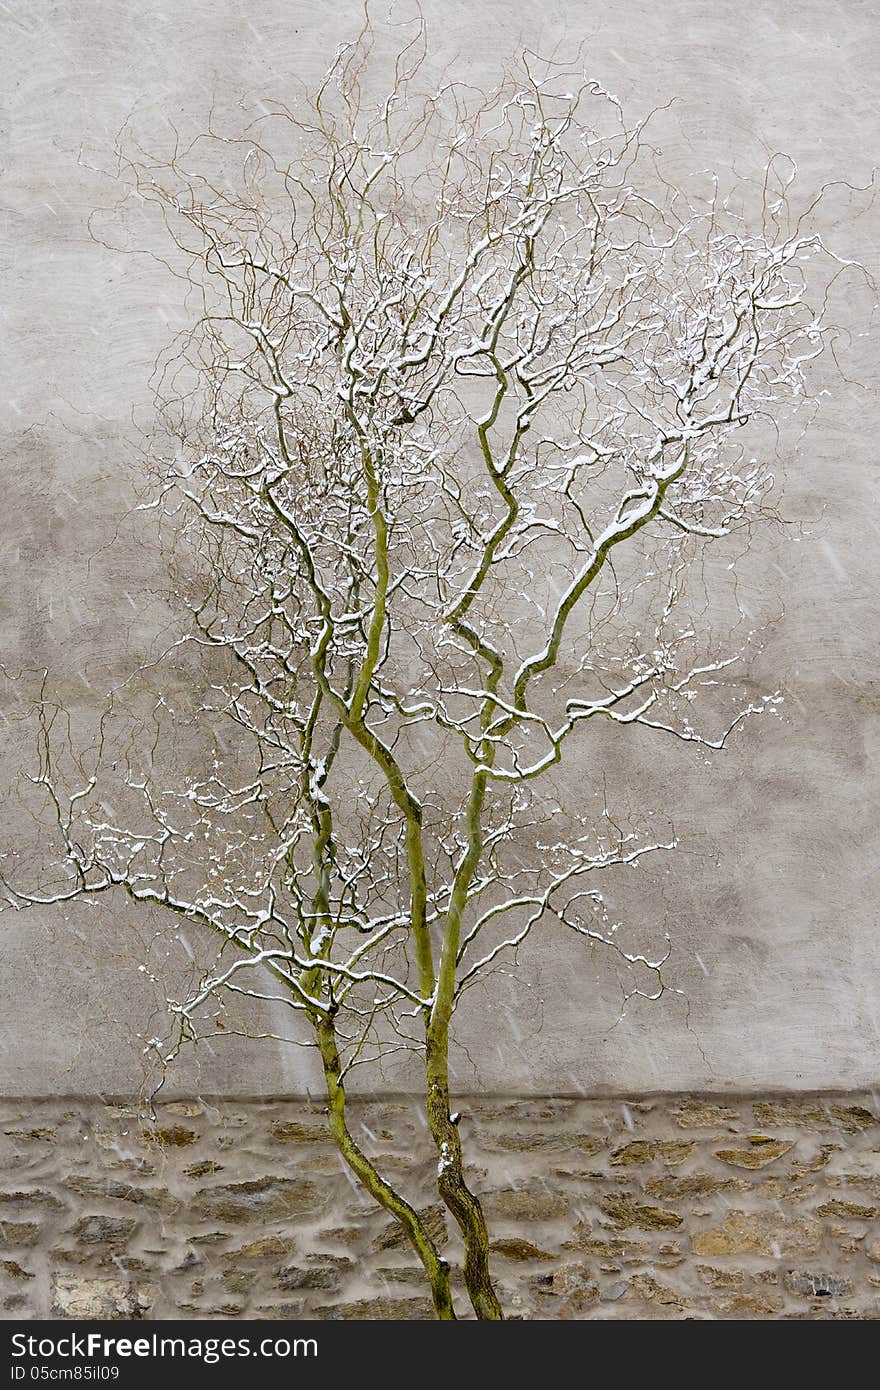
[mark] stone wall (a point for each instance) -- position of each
(678, 1208)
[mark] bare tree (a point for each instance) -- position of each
(468, 396)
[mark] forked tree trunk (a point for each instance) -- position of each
(435, 1266)
(456, 1194)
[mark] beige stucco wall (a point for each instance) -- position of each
(771, 907)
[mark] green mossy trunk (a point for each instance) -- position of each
(451, 1185)
(435, 1266)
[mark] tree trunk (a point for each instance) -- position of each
(436, 1267)
(451, 1185)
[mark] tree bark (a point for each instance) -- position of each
(451, 1185)
(435, 1266)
